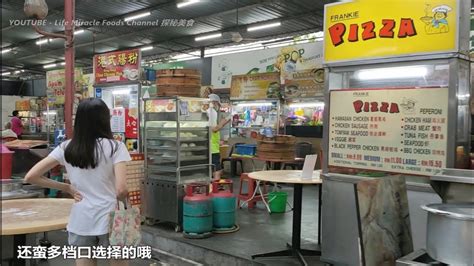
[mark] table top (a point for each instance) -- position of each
(279, 160)
(24, 144)
(286, 177)
(25, 216)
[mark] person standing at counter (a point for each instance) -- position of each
(216, 123)
(17, 125)
(95, 164)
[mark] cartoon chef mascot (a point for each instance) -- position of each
(438, 23)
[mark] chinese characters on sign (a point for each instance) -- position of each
(393, 130)
(117, 121)
(117, 66)
(73, 252)
(131, 123)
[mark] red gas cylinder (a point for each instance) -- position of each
(224, 204)
(7, 160)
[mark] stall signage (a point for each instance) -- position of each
(255, 86)
(393, 130)
(118, 66)
(22, 105)
(117, 120)
(281, 59)
(56, 84)
(131, 123)
(367, 29)
(304, 84)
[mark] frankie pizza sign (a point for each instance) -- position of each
(368, 29)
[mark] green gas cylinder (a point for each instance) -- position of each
(197, 209)
(223, 203)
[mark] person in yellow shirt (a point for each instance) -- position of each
(216, 123)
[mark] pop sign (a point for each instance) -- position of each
(368, 29)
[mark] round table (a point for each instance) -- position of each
(26, 216)
(293, 177)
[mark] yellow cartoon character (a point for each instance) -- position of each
(437, 23)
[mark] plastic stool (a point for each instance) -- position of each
(251, 186)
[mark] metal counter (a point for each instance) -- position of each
(340, 244)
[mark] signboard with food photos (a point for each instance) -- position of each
(119, 66)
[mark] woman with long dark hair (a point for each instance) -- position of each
(95, 164)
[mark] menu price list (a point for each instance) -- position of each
(403, 140)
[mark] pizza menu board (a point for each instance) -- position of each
(392, 130)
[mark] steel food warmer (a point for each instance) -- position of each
(176, 145)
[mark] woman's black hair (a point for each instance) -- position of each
(15, 113)
(92, 124)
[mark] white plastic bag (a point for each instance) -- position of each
(37, 9)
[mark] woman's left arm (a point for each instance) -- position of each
(35, 177)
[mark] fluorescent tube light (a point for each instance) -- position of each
(49, 66)
(392, 73)
(120, 92)
(146, 48)
(50, 113)
(137, 16)
(17, 72)
(78, 32)
(6, 73)
(303, 105)
(187, 3)
(207, 37)
(43, 41)
(4, 51)
(254, 104)
(63, 64)
(287, 43)
(265, 26)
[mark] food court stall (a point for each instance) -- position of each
(401, 111)
(117, 83)
(255, 101)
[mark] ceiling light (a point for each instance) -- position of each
(265, 26)
(207, 37)
(146, 48)
(141, 15)
(78, 32)
(49, 66)
(6, 73)
(187, 3)
(40, 42)
(119, 92)
(302, 105)
(63, 64)
(319, 34)
(4, 51)
(254, 104)
(17, 72)
(391, 73)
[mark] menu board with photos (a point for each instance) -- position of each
(392, 130)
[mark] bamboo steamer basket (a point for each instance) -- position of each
(280, 147)
(178, 82)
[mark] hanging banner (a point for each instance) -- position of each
(22, 105)
(367, 29)
(282, 59)
(255, 87)
(393, 130)
(131, 123)
(56, 84)
(304, 83)
(117, 121)
(117, 66)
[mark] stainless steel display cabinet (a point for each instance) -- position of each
(177, 152)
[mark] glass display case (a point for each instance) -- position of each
(176, 138)
(304, 117)
(123, 101)
(249, 117)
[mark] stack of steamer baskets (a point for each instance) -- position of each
(178, 82)
(280, 147)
